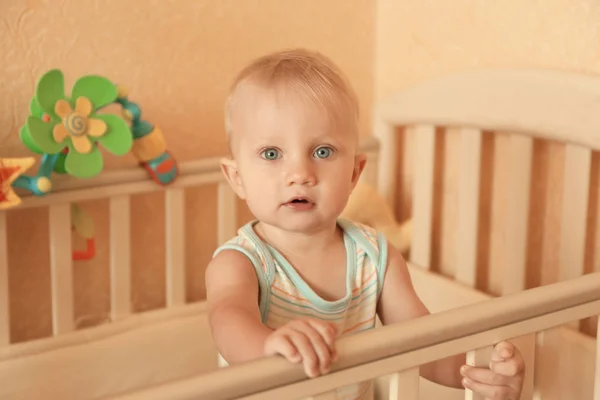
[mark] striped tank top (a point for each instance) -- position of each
(285, 296)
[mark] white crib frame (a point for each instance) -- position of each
(522, 101)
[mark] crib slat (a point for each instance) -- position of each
(227, 213)
(404, 385)
(514, 236)
(516, 216)
(61, 268)
(371, 170)
(175, 246)
(574, 213)
(424, 158)
(547, 376)
(538, 366)
(478, 358)
(120, 257)
(388, 166)
(468, 211)
(597, 371)
(4, 295)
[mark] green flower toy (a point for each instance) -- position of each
(74, 124)
(67, 133)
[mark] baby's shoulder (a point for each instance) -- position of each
(242, 245)
(373, 244)
(246, 251)
(358, 230)
(234, 264)
(242, 241)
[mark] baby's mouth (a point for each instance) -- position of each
(300, 203)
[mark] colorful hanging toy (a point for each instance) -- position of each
(67, 133)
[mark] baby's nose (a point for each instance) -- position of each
(302, 174)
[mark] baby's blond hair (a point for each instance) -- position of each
(309, 74)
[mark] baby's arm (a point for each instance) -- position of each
(232, 295)
(233, 313)
(399, 302)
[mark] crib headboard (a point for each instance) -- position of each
(530, 104)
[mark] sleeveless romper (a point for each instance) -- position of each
(284, 296)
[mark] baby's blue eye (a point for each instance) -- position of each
(270, 154)
(323, 152)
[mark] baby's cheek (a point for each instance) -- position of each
(260, 195)
(337, 196)
(257, 207)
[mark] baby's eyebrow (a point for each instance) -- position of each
(264, 142)
(328, 139)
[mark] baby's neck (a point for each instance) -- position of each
(299, 242)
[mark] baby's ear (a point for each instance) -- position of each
(230, 170)
(360, 160)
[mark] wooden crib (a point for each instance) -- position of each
(168, 353)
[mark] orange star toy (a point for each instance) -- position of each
(10, 170)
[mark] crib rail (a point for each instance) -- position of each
(397, 349)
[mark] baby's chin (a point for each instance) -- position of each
(306, 228)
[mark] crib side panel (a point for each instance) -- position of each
(400, 348)
(127, 355)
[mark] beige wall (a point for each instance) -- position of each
(417, 40)
(177, 58)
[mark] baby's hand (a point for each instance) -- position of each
(305, 340)
(504, 378)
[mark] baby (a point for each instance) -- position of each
(299, 277)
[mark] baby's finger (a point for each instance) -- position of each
(496, 356)
(484, 375)
(307, 352)
(489, 391)
(327, 330)
(321, 348)
(504, 350)
(282, 345)
(510, 368)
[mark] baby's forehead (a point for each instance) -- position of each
(253, 96)
(272, 105)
